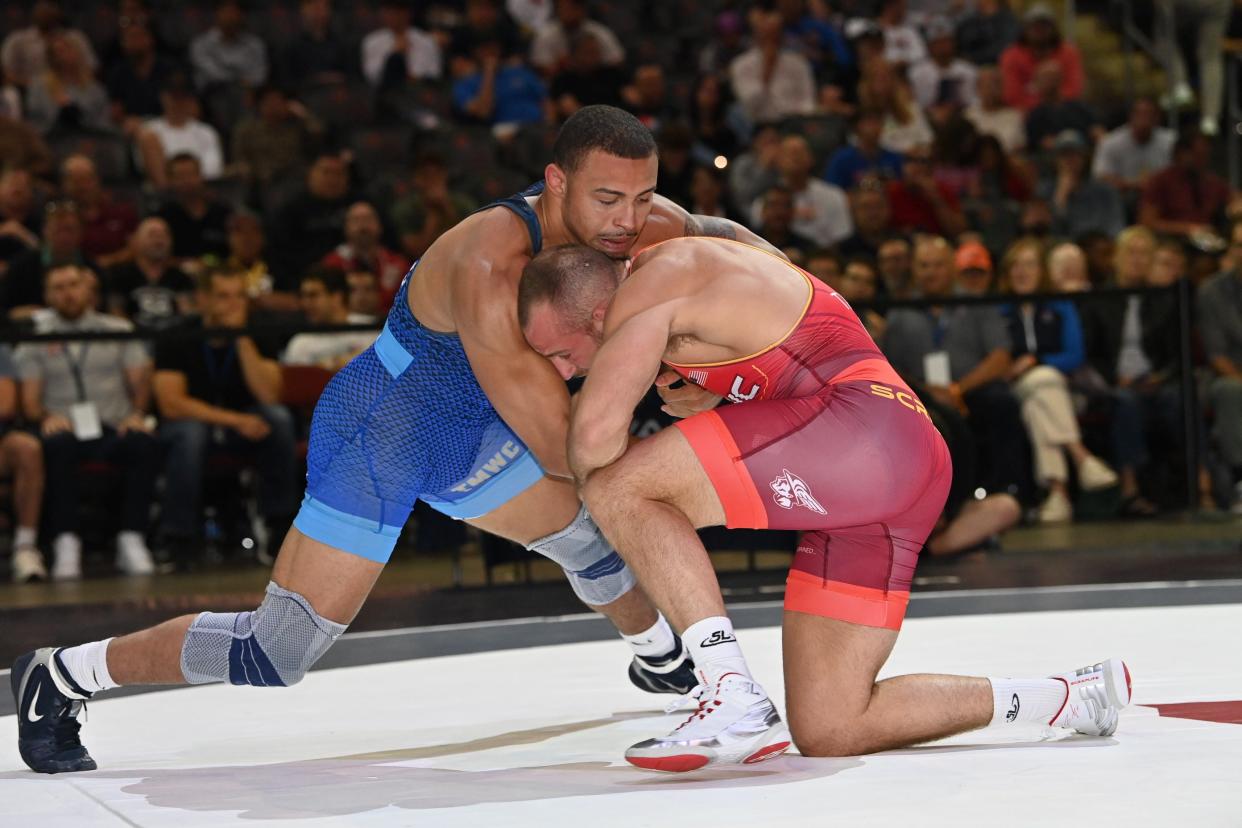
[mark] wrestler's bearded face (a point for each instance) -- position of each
(607, 201)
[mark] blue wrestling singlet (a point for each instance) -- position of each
(406, 419)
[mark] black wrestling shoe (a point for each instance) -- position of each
(48, 703)
(672, 672)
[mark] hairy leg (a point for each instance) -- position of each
(648, 503)
(835, 707)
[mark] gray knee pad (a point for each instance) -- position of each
(595, 571)
(273, 646)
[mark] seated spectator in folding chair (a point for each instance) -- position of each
(21, 458)
(222, 393)
(324, 296)
(91, 401)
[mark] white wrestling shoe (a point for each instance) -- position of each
(1094, 699)
(735, 723)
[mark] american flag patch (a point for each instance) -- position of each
(698, 377)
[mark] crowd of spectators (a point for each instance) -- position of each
(221, 163)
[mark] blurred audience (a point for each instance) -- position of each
(195, 216)
(1220, 326)
(1186, 198)
(363, 249)
(397, 52)
(150, 290)
(21, 460)
(821, 210)
(324, 297)
(1040, 44)
(864, 155)
(1046, 341)
(992, 116)
(178, 132)
(549, 49)
(1134, 151)
(960, 356)
(1079, 203)
(23, 288)
(25, 53)
(65, 95)
(107, 223)
(226, 53)
(768, 80)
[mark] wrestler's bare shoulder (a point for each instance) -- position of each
(478, 260)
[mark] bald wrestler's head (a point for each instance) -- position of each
(562, 300)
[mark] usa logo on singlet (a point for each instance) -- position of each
(789, 490)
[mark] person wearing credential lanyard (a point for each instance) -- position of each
(222, 393)
(91, 401)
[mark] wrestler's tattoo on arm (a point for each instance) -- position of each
(710, 226)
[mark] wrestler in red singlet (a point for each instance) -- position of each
(825, 436)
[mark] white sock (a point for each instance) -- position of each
(1026, 700)
(714, 648)
(25, 537)
(87, 665)
(658, 640)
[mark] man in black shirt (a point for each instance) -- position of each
(150, 290)
(199, 223)
(223, 393)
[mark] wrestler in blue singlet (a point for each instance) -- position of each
(406, 419)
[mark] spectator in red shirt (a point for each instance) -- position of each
(1185, 198)
(1040, 41)
(362, 250)
(921, 204)
(106, 224)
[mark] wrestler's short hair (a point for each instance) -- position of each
(604, 128)
(572, 278)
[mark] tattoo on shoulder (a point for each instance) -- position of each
(710, 226)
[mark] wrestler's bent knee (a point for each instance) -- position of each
(595, 571)
(273, 646)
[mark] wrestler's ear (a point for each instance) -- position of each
(555, 180)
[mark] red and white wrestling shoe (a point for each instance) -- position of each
(1095, 697)
(735, 723)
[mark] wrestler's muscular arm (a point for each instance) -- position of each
(523, 387)
(620, 375)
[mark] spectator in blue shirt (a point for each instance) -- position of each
(1047, 345)
(499, 90)
(864, 157)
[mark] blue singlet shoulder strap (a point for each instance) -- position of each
(518, 204)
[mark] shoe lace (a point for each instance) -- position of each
(66, 726)
(691, 698)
